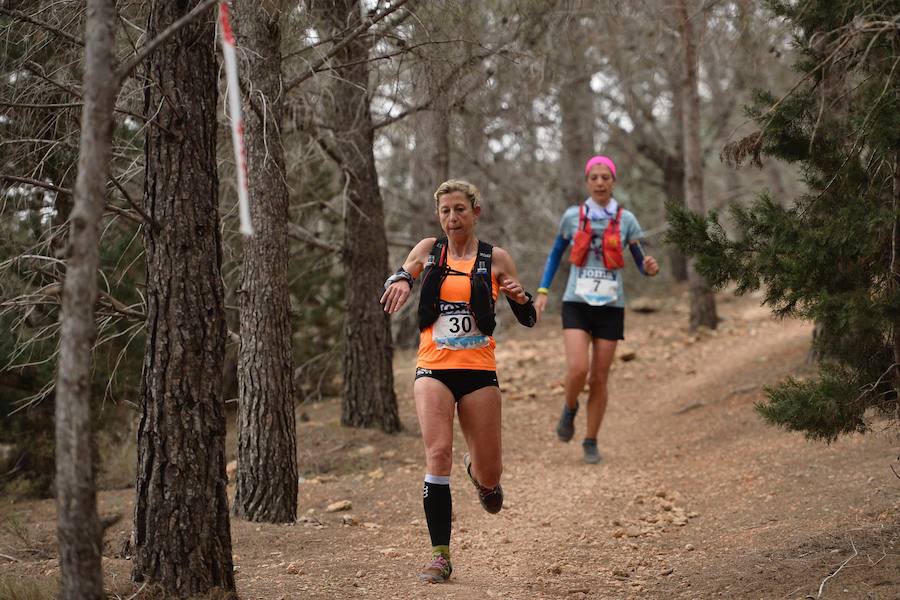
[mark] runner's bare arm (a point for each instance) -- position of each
(505, 271)
(396, 294)
(418, 256)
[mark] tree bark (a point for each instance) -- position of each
(181, 522)
(267, 448)
(78, 526)
(895, 266)
(369, 398)
(674, 180)
(433, 139)
(473, 125)
(674, 184)
(703, 302)
(576, 110)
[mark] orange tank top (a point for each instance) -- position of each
(453, 341)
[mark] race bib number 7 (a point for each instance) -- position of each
(455, 328)
(596, 286)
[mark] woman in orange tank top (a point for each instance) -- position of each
(455, 369)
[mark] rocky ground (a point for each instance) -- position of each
(696, 498)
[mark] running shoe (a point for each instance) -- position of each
(565, 429)
(438, 571)
(591, 454)
(491, 499)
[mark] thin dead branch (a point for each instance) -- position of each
(366, 24)
(302, 234)
(843, 564)
(20, 16)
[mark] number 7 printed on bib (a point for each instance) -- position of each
(596, 286)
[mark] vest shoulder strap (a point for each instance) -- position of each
(438, 254)
(583, 222)
(482, 264)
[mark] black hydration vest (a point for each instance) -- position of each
(481, 298)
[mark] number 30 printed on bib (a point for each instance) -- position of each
(455, 328)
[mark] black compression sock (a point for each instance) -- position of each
(438, 509)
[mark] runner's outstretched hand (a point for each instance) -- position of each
(651, 267)
(395, 296)
(514, 290)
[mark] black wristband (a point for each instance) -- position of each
(524, 313)
(401, 275)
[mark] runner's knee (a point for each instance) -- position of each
(439, 459)
(489, 475)
(598, 380)
(578, 371)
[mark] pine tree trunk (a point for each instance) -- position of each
(181, 522)
(673, 176)
(674, 184)
(576, 112)
(78, 526)
(474, 141)
(267, 448)
(895, 267)
(369, 399)
(703, 302)
(437, 133)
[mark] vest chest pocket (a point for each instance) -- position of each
(596, 286)
(455, 328)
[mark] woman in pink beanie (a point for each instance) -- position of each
(593, 308)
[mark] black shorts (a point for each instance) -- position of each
(461, 381)
(604, 322)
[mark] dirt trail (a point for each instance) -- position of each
(696, 498)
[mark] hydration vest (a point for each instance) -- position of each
(611, 241)
(481, 298)
(613, 254)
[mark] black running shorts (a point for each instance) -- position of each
(603, 322)
(461, 381)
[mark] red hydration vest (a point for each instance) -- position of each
(613, 251)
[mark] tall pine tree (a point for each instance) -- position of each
(833, 255)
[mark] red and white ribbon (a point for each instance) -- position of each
(234, 113)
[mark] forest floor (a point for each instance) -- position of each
(697, 497)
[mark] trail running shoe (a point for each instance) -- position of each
(491, 499)
(438, 571)
(591, 454)
(565, 429)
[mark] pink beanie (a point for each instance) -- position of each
(600, 160)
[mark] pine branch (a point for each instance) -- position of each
(20, 16)
(311, 71)
(36, 183)
(304, 235)
(142, 217)
(442, 87)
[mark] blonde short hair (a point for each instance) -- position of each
(458, 185)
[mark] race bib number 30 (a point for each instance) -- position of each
(455, 329)
(596, 286)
